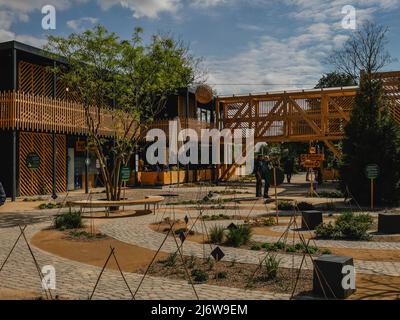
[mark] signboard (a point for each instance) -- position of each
(372, 171)
(312, 164)
(204, 94)
(125, 174)
(32, 161)
(312, 157)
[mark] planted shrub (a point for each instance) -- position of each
(285, 205)
(170, 261)
(238, 236)
(271, 267)
(69, 220)
(291, 249)
(267, 246)
(279, 245)
(255, 247)
(221, 275)
(305, 206)
(217, 234)
(199, 275)
(270, 221)
(347, 226)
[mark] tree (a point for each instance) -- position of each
(372, 137)
(365, 51)
(127, 80)
(335, 79)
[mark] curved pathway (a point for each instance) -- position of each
(76, 280)
(137, 231)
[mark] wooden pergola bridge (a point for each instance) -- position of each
(299, 116)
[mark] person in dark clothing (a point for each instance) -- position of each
(261, 172)
(289, 168)
(2, 195)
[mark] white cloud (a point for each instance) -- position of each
(143, 8)
(294, 62)
(208, 3)
(36, 5)
(12, 11)
(249, 27)
(82, 23)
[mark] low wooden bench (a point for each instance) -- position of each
(147, 202)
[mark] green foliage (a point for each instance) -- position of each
(238, 236)
(221, 275)
(347, 226)
(170, 261)
(255, 247)
(311, 250)
(69, 220)
(50, 205)
(271, 267)
(326, 251)
(137, 76)
(372, 137)
(279, 245)
(305, 206)
(191, 261)
(217, 234)
(335, 79)
(285, 205)
(86, 235)
(199, 275)
(291, 249)
(270, 221)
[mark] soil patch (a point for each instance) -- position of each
(94, 252)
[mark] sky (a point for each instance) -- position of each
(247, 46)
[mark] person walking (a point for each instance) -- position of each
(2, 195)
(258, 171)
(289, 168)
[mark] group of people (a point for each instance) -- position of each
(262, 171)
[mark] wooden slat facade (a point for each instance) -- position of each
(39, 181)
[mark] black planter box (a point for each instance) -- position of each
(330, 276)
(389, 223)
(311, 219)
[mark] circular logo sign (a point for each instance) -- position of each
(32, 161)
(204, 94)
(372, 171)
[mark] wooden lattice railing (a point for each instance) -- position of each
(183, 123)
(28, 112)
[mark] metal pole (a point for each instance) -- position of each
(87, 169)
(372, 194)
(276, 198)
(14, 165)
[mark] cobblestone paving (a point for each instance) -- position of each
(136, 231)
(76, 280)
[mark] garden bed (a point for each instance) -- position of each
(231, 274)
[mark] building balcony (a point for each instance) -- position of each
(27, 112)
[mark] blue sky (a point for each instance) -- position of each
(247, 45)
